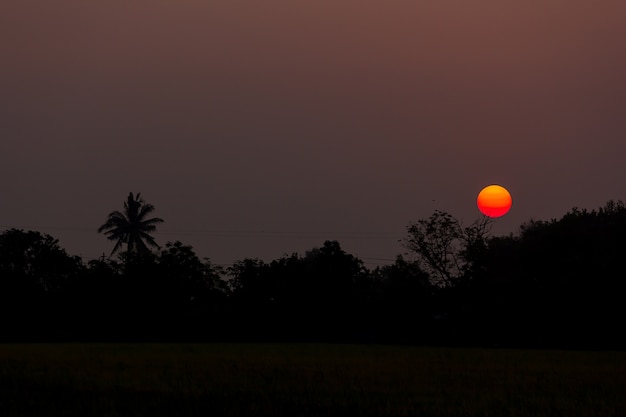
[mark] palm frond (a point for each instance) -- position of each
(150, 223)
(150, 240)
(145, 210)
(117, 246)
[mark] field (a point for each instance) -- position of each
(306, 380)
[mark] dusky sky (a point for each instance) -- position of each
(259, 128)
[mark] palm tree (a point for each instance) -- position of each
(131, 227)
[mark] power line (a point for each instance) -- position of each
(62, 228)
(235, 233)
(239, 234)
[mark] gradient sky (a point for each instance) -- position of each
(259, 128)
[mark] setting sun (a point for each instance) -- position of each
(494, 201)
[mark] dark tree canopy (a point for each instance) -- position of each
(34, 261)
(556, 283)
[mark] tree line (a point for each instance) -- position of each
(556, 283)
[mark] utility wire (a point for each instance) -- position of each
(237, 234)
(233, 233)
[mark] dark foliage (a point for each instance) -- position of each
(323, 295)
(34, 272)
(557, 283)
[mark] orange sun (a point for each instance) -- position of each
(494, 201)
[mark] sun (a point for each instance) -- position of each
(494, 201)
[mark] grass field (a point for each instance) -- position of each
(306, 380)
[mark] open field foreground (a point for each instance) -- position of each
(306, 380)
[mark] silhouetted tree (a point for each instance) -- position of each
(246, 277)
(33, 272)
(131, 227)
(575, 268)
(444, 248)
(333, 273)
(404, 303)
(173, 294)
(189, 282)
(252, 299)
(33, 262)
(323, 295)
(334, 292)
(556, 283)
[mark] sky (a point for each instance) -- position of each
(263, 128)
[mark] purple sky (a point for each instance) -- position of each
(259, 128)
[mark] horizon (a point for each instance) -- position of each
(369, 263)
